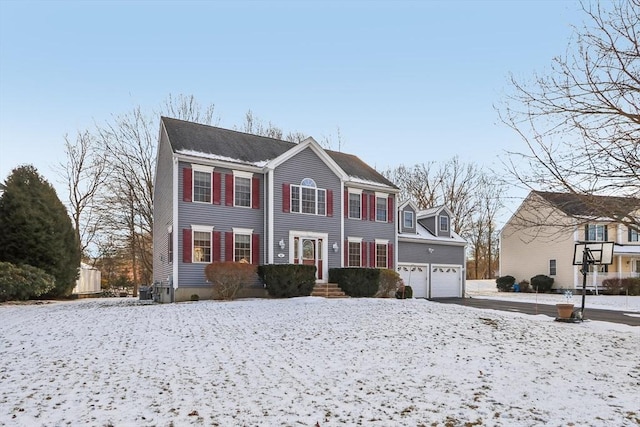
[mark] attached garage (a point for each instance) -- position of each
(416, 276)
(446, 281)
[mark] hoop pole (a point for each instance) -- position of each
(585, 265)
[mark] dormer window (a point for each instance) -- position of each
(444, 224)
(408, 219)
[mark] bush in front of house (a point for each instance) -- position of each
(22, 282)
(505, 283)
(288, 280)
(525, 286)
(388, 284)
(229, 277)
(542, 283)
(356, 281)
(404, 292)
(626, 286)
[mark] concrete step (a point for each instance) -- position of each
(328, 290)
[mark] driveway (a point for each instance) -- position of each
(630, 318)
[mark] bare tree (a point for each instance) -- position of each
(581, 121)
(255, 126)
(84, 172)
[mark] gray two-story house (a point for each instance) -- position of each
(223, 195)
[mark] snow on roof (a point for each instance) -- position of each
(209, 156)
(423, 234)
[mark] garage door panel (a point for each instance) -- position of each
(446, 281)
(415, 276)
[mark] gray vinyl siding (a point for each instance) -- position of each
(418, 252)
(370, 230)
(429, 223)
(443, 233)
(306, 164)
(162, 210)
(404, 229)
(223, 218)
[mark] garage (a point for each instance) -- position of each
(446, 281)
(416, 276)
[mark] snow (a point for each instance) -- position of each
(302, 361)
(210, 156)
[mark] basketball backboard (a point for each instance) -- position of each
(598, 253)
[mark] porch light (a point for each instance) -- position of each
(335, 246)
(281, 243)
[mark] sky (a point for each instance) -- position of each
(403, 82)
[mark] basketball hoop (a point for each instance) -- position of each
(591, 253)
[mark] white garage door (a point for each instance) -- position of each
(415, 275)
(446, 281)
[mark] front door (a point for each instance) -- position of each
(309, 250)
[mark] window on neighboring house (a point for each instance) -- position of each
(381, 255)
(408, 219)
(355, 254)
(552, 267)
(381, 209)
(596, 233)
(634, 235)
(444, 223)
(307, 198)
(170, 246)
(202, 246)
(201, 186)
(354, 205)
(242, 247)
(242, 191)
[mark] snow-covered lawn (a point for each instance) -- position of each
(303, 361)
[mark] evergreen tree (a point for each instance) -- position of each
(36, 229)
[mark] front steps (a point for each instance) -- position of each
(328, 290)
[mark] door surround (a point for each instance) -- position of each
(321, 241)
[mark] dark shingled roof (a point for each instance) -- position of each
(248, 148)
(591, 206)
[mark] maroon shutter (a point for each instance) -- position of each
(346, 203)
(372, 207)
(228, 190)
(329, 203)
(390, 209)
(255, 249)
(286, 197)
(363, 254)
(216, 249)
(255, 193)
(346, 253)
(186, 245)
(372, 254)
(216, 188)
(390, 256)
(186, 184)
(363, 202)
(228, 246)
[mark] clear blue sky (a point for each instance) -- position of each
(406, 82)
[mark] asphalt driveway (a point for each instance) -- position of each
(626, 318)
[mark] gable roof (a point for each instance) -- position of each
(228, 145)
(582, 205)
(427, 213)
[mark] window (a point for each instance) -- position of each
(201, 186)
(202, 246)
(242, 248)
(552, 267)
(242, 189)
(307, 198)
(381, 209)
(170, 245)
(444, 223)
(354, 205)
(408, 219)
(596, 232)
(381, 255)
(634, 235)
(355, 254)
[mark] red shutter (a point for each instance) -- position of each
(186, 245)
(255, 249)
(372, 207)
(390, 209)
(216, 188)
(255, 193)
(329, 203)
(346, 203)
(228, 246)
(186, 184)
(345, 248)
(363, 254)
(372, 254)
(228, 190)
(363, 207)
(390, 256)
(216, 249)
(286, 197)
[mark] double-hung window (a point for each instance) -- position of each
(634, 235)
(596, 233)
(381, 207)
(308, 198)
(202, 183)
(201, 246)
(242, 189)
(381, 253)
(408, 219)
(242, 245)
(444, 223)
(552, 267)
(355, 208)
(355, 252)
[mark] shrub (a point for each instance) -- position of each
(404, 292)
(288, 280)
(525, 286)
(388, 283)
(21, 282)
(195, 297)
(229, 277)
(505, 283)
(541, 283)
(356, 281)
(630, 285)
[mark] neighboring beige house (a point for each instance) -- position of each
(541, 235)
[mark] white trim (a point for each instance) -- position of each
(312, 235)
(237, 230)
(316, 148)
(385, 210)
(354, 239)
(170, 229)
(413, 218)
(270, 218)
(382, 195)
(177, 250)
(359, 194)
(201, 168)
(202, 228)
(354, 190)
(335, 210)
(382, 241)
(242, 174)
(190, 158)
